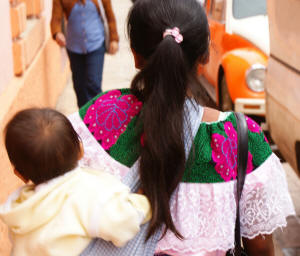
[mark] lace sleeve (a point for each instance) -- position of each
(204, 213)
(266, 202)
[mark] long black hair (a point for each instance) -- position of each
(163, 82)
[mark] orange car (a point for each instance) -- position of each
(234, 76)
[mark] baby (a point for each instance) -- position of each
(63, 206)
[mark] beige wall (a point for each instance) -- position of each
(47, 14)
(44, 77)
(6, 67)
(283, 79)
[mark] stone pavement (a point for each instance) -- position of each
(289, 238)
(119, 71)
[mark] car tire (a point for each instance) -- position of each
(225, 99)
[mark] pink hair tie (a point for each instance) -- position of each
(175, 32)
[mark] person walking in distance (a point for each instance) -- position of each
(86, 34)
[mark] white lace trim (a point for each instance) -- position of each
(94, 155)
(205, 213)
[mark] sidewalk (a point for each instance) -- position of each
(118, 73)
(288, 239)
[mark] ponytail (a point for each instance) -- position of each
(162, 157)
(162, 84)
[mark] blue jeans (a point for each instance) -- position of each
(87, 72)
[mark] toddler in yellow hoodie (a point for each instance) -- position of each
(63, 206)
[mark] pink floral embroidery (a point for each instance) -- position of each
(224, 153)
(252, 125)
(109, 116)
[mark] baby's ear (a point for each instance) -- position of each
(20, 176)
(81, 152)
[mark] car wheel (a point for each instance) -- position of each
(225, 100)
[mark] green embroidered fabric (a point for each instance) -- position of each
(200, 167)
(84, 108)
(126, 149)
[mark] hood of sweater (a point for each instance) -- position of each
(31, 206)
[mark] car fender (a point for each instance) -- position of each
(235, 64)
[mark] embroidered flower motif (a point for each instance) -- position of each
(252, 125)
(109, 116)
(224, 153)
(249, 215)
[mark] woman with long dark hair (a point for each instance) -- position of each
(186, 153)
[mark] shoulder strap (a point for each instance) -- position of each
(242, 131)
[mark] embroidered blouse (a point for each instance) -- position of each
(203, 205)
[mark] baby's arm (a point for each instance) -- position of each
(120, 218)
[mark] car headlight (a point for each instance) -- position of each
(255, 77)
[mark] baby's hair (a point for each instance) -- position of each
(41, 144)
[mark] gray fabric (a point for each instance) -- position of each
(136, 246)
(192, 121)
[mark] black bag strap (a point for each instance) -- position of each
(242, 131)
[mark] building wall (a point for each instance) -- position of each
(6, 67)
(33, 72)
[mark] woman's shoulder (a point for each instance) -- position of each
(211, 115)
(107, 97)
(111, 117)
(215, 149)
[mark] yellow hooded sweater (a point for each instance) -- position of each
(60, 217)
